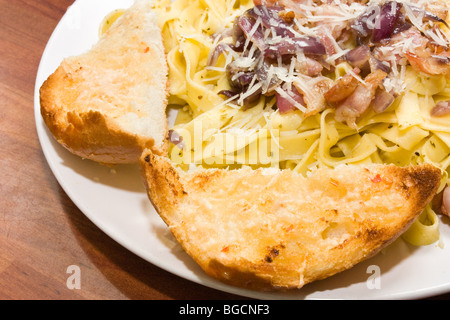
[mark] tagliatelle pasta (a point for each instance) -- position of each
(219, 131)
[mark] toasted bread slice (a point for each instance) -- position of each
(109, 103)
(269, 229)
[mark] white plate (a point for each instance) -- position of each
(117, 203)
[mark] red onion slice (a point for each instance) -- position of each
(401, 26)
(256, 36)
(382, 101)
(271, 19)
(377, 23)
(176, 139)
(364, 24)
(285, 104)
(376, 64)
(386, 22)
(359, 56)
(291, 46)
(216, 53)
(441, 109)
(228, 94)
(248, 101)
(268, 85)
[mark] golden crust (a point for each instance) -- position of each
(266, 230)
(89, 134)
(96, 104)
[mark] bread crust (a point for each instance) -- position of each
(91, 100)
(273, 230)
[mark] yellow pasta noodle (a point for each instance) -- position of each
(425, 230)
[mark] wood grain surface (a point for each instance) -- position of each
(42, 232)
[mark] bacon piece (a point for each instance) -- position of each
(343, 88)
(382, 100)
(357, 103)
(313, 94)
(426, 62)
(309, 67)
(425, 57)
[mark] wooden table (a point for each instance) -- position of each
(42, 232)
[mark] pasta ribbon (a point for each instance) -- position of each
(425, 230)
